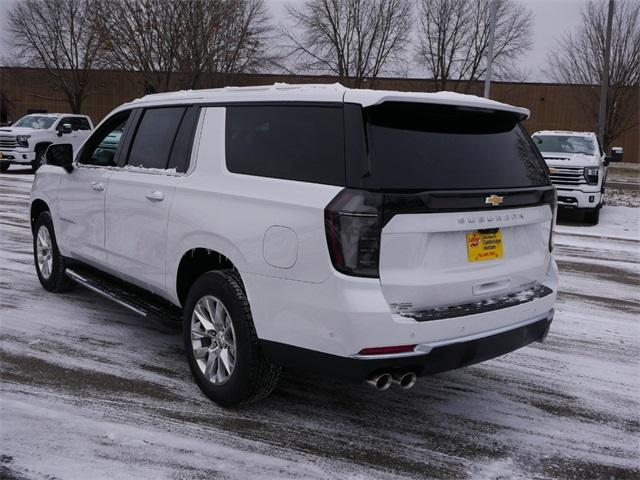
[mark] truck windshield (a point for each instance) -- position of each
(565, 144)
(436, 147)
(37, 122)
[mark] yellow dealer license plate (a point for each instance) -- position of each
(484, 246)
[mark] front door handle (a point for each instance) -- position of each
(155, 196)
(97, 186)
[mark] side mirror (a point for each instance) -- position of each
(64, 128)
(61, 155)
(617, 154)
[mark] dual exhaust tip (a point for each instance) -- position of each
(382, 381)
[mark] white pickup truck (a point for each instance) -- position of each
(26, 141)
(578, 168)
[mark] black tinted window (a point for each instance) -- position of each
(102, 146)
(154, 137)
(430, 147)
(181, 152)
(303, 143)
(80, 123)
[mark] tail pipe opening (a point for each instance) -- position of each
(405, 380)
(380, 381)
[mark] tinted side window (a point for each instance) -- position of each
(77, 123)
(181, 152)
(154, 137)
(63, 121)
(303, 143)
(102, 146)
(80, 123)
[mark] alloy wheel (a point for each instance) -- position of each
(213, 339)
(44, 252)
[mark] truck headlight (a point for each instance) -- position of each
(23, 140)
(591, 175)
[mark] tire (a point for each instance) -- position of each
(46, 256)
(246, 376)
(592, 217)
(41, 152)
(4, 166)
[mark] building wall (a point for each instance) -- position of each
(553, 106)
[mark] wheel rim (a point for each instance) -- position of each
(44, 252)
(213, 340)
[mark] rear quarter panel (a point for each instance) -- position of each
(230, 213)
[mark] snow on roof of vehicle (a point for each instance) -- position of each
(564, 132)
(321, 93)
(55, 114)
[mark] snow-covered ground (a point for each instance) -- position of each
(90, 391)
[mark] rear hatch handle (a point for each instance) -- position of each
(491, 287)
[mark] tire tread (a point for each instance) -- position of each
(259, 375)
(267, 373)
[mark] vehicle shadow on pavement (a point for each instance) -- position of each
(13, 170)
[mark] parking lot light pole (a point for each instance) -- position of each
(492, 34)
(602, 113)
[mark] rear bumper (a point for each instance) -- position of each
(428, 359)
(345, 315)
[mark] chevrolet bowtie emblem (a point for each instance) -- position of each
(494, 200)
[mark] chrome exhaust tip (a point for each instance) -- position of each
(405, 380)
(380, 381)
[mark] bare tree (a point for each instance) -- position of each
(142, 35)
(229, 37)
(453, 38)
(60, 36)
(176, 42)
(353, 39)
(580, 59)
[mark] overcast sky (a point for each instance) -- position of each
(552, 19)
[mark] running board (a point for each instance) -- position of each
(120, 294)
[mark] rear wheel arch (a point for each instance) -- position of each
(196, 262)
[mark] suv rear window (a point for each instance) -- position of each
(304, 143)
(436, 147)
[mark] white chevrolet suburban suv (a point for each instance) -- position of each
(578, 168)
(364, 235)
(26, 141)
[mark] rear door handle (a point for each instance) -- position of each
(155, 196)
(97, 186)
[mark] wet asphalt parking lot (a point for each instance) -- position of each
(90, 390)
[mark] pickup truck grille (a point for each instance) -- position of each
(567, 176)
(8, 142)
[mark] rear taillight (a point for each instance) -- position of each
(551, 198)
(353, 223)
